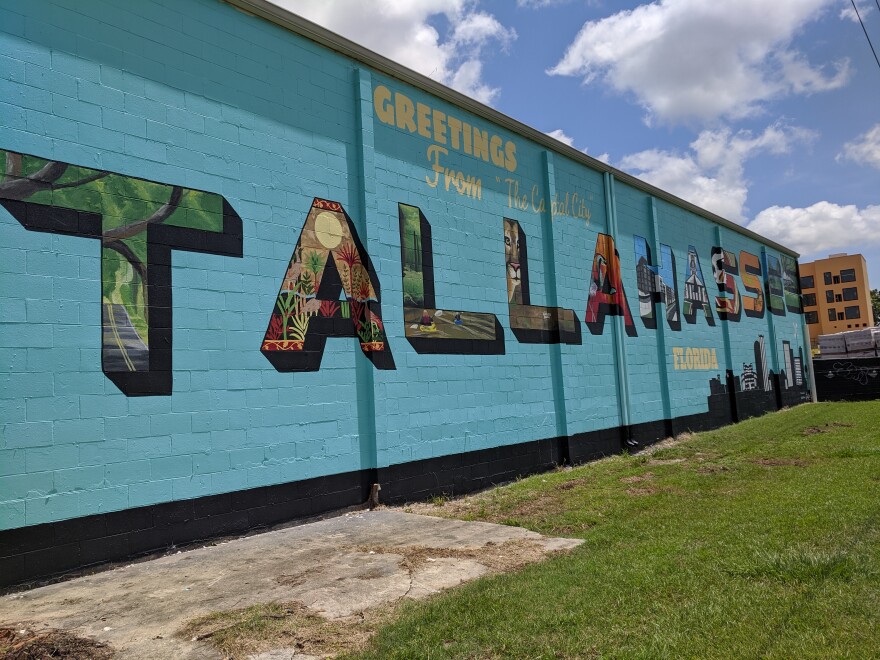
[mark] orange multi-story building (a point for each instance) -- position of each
(836, 295)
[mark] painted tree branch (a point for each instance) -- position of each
(14, 186)
(113, 239)
(17, 188)
(161, 215)
(13, 165)
(80, 182)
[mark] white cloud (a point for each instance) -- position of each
(865, 149)
(821, 228)
(848, 13)
(540, 4)
(702, 59)
(711, 174)
(403, 30)
(560, 135)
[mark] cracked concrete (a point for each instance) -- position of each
(337, 568)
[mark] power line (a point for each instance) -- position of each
(856, 9)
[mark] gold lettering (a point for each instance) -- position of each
(405, 110)
(495, 151)
(510, 156)
(538, 207)
(397, 109)
(439, 127)
(514, 201)
(694, 358)
(454, 131)
(382, 104)
(434, 152)
(481, 144)
(423, 115)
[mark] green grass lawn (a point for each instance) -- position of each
(757, 540)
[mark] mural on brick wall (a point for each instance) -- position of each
(775, 290)
(328, 259)
(429, 328)
(753, 299)
(607, 296)
(755, 388)
(696, 297)
(532, 324)
(139, 223)
(791, 284)
(724, 267)
(656, 284)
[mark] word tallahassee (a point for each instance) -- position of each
(139, 362)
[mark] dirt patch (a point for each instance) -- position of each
(23, 644)
(497, 557)
(576, 530)
(825, 428)
(544, 504)
(574, 483)
(780, 462)
(290, 626)
(638, 492)
(665, 461)
(712, 469)
(666, 443)
(637, 478)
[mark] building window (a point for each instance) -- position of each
(848, 275)
(837, 279)
(811, 317)
(832, 314)
(807, 282)
(809, 300)
(827, 277)
(852, 312)
(829, 296)
(850, 293)
(840, 316)
(838, 298)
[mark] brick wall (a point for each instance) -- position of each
(253, 123)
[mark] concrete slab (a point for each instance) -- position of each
(335, 567)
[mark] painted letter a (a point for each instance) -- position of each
(328, 259)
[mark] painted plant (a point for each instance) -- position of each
(327, 260)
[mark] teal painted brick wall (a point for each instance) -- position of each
(197, 94)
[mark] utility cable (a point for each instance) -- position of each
(859, 16)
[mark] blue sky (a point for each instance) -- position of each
(767, 113)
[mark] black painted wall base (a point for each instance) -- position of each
(847, 379)
(40, 552)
